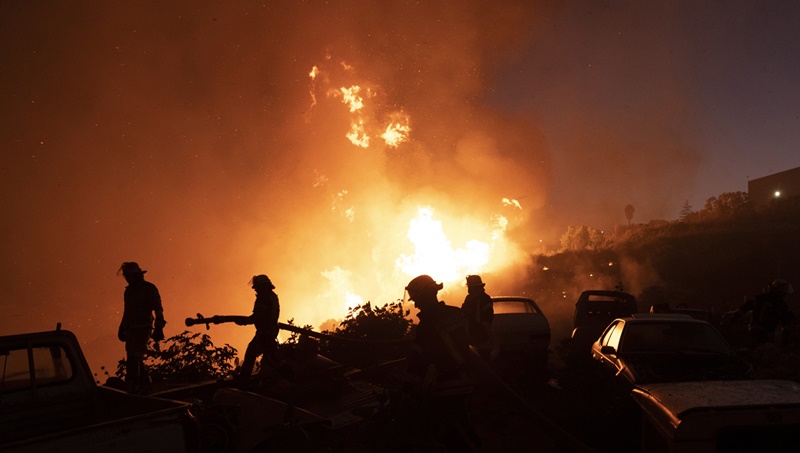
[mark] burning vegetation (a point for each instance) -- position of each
(403, 224)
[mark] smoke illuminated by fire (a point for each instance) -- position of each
(299, 140)
(445, 245)
(220, 140)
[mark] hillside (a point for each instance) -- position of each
(710, 259)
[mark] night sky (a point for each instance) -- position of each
(191, 137)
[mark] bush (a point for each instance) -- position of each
(186, 358)
(370, 335)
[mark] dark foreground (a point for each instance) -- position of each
(559, 411)
(514, 408)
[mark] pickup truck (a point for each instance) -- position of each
(49, 401)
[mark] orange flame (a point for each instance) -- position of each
(435, 254)
(358, 135)
(395, 134)
(511, 202)
(351, 97)
(478, 245)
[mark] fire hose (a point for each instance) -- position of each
(246, 320)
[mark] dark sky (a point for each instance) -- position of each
(189, 136)
(677, 102)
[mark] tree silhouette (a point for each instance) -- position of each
(726, 205)
(629, 213)
(685, 211)
(582, 238)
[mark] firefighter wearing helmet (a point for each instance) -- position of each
(479, 310)
(142, 301)
(441, 335)
(266, 310)
(438, 361)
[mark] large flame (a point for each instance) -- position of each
(441, 242)
(435, 254)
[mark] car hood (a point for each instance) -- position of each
(682, 397)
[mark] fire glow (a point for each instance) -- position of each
(435, 254)
(444, 243)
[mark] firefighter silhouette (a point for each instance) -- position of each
(142, 302)
(438, 366)
(479, 311)
(266, 310)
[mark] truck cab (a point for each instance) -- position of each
(50, 401)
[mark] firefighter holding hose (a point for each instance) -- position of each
(266, 311)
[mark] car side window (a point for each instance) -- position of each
(611, 334)
(614, 336)
(42, 364)
(502, 307)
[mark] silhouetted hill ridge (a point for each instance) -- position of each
(708, 260)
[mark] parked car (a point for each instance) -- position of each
(732, 415)
(520, 328)
(648, 348)
(594, 310)
(692, 391)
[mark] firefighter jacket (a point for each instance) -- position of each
(479, 311)
(142, 300)
(440, 342)
(266, 311)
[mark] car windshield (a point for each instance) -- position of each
(666, 336)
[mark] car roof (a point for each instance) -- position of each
(510, 298)
(606, 293)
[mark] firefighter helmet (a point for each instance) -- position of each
(423, 284)
(130, 268)
(261, 280)
(475, 280)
